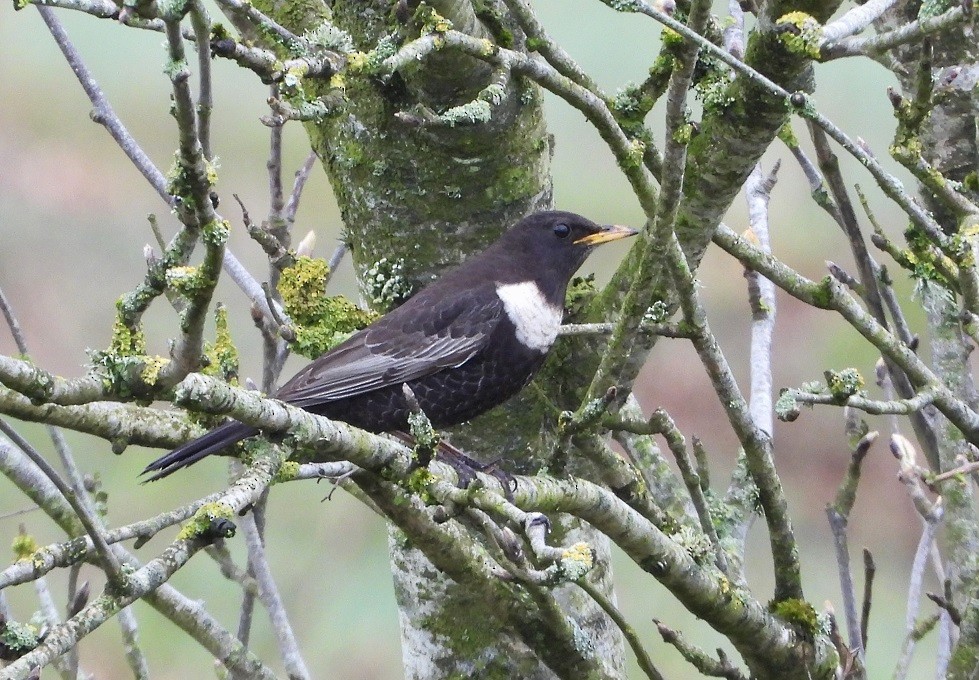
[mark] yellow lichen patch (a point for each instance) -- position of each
(636, 153)
(184, 280)
(302, 286)
(152, 367)
(579, 552)
(320, 321)
(211, 168)
(288, 471)
(126, 353)
(801, 33)
(201, 521)
(215, 233)
(418, 482)
(487, 47)
(338, 82)
(357, 61)
(577, 560)
(126, 341)
(222, 355)
(24, 546)
(844, 384)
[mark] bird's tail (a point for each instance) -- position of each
(217, 439)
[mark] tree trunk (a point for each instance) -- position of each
(416, 198)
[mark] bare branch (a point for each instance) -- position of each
(882, 42)
(79, 502)
(915, 587)
(698, 658)
(148, 578)
(642, 656)
(829, 294)
(869, 570)
(855, 20)
(761, 296)
(103, 112)
(268, 593)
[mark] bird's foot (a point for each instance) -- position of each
(467, 467)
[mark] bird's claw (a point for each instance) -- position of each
(467, 468)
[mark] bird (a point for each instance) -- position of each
(463, 344)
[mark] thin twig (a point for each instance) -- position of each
(130, 642)
(628, 632)
(70, 553)
(838, 524)
(869, 570)
(260, 20)
(269, 595)
(201, 218)
(888, 40)
(872, 406)
(889, 183)
(761, 297)
(187, 614)
(105, 115)
(18, 513)
(661, 423)
(965, 469)
(13, 324)
(697, 657)
(665, 330)
(555, 55)
(299, 183)
(144, 580)
(219, 552)
(910, 474)
(914, 596)
(869, 270)
(92, 525)
(205, 99)
(77, 598)
(50, 612)
(829, 294)
(194, 620)
(103, 112)
(855, 20)
(274, 165)
(838, 514)
(247, 611)
(756, 442)
(252, 289)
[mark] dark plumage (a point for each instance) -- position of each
(464, 344)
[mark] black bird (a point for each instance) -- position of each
(464, 344)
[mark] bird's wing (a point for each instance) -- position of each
(425, 335)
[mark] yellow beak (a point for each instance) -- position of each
(609, 232)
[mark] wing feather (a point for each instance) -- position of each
(425, 335)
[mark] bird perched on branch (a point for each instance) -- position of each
(464, 344)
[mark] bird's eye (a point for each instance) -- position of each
(562, 230)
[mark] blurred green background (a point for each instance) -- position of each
(72, 230)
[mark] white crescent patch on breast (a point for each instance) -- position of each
(537, 321)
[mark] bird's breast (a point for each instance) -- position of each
(535, 319)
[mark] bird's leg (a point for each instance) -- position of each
(423, 455)
(424, 439)
(454, 456)
(465, 466)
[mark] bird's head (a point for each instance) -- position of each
(558, 242)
